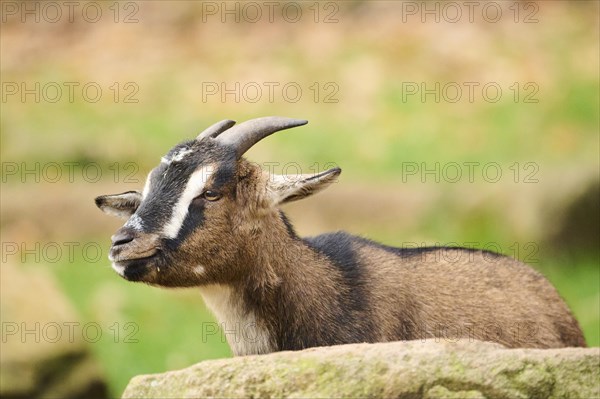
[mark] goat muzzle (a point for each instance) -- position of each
(128, 244)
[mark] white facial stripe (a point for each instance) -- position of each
(194, 187)
(146, 186)
(135, 222)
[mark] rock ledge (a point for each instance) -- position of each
(414, 369)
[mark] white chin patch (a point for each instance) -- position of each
(119, 269)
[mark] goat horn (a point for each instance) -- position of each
(246, 134)
(216, 129)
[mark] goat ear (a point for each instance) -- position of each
(287, 188)
(120, 205)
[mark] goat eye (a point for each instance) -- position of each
(211, 195)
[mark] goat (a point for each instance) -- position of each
(209, 218)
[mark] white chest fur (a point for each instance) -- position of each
(243, 333)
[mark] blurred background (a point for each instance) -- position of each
(463, 123)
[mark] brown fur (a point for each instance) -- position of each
(448, 293)
(335, 289)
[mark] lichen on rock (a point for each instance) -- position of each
(412, 369)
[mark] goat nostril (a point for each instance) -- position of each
(122, 237)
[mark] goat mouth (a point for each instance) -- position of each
(121, 255)
(135, 269)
